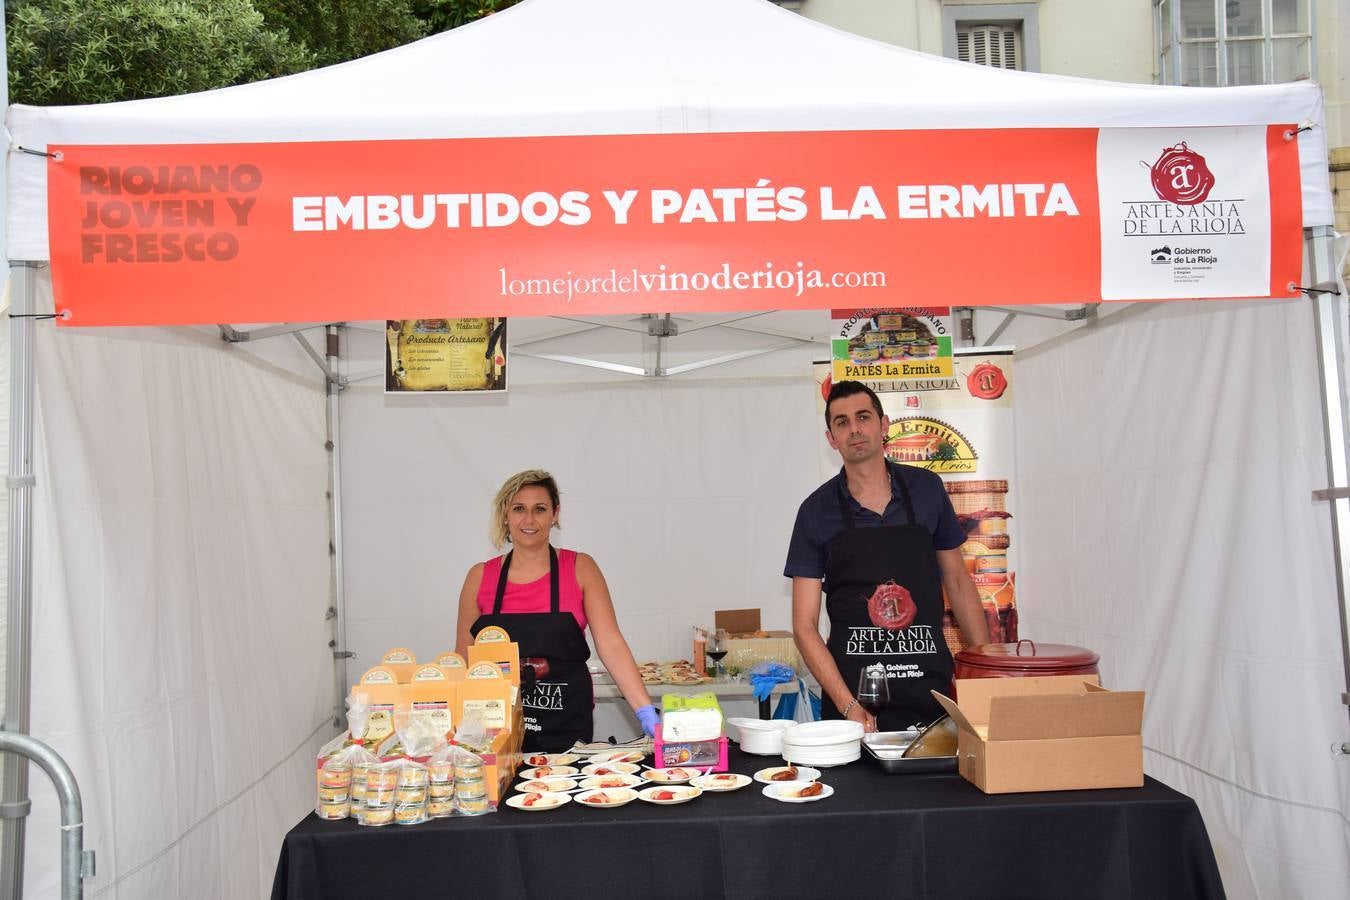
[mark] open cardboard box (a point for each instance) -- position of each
(766, 646)
(1055, 733)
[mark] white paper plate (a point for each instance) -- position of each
(817, 734)
(548, 772)
(618, 797)
(804, 773)
(683, 794)
(614, 768)
(727, 781)
(546, 785)
(673, 775)
(545, 801)
(603, 782)
(625, 756)
(784, 792)
(549, 759)
(818, 757)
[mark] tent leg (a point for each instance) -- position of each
(1329, 312)
(337, 612)
(14, 802)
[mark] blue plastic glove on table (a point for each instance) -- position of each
(763, 677)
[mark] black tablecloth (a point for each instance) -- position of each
(878, 836)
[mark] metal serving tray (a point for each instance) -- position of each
(888, 749)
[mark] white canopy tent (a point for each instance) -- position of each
(179, 481)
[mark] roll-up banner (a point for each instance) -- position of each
(473, 227)
(958, 424)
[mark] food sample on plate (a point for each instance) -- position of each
(619, 756)
(610, 797)
(550, 759)
(669, 776)
(722, 781)
(786, 774)
(547, 784)
(536, 802)
(610, 781)
(681, 671)
(678, 794)
(548, 772)
(813, 789)
(610, 769)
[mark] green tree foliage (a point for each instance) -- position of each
(338, 30)
(93, 51)
(441, 15)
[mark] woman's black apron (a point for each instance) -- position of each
(883, 592)
(558, 707)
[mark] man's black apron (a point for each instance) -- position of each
(895, 568)
(558, 708)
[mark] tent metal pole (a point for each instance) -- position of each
(1329, 313)
(338, 610)
(14, 802)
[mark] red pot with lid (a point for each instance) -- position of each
(1024, 658)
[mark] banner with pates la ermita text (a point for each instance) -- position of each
(959, 425)
(595, 224)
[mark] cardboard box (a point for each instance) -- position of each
(736, 621)
(776, 646)
(1055, 733)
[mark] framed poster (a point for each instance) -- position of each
(445, 355)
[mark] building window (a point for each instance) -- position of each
(999, 46)
(1001, 35)
(1215, 43)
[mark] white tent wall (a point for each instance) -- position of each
(1166, 463)
(180, 579)
(683, 491)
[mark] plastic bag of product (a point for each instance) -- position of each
(441, 782)
(471, 787)
(472, 733)
(337, 779)
(410, 797)
(420, 732)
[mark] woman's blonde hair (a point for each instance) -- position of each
(498, 533)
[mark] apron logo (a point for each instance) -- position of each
(544, 695)
(891, 606)
(890, 642)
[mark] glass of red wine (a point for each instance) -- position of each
(874, 691)
(716, 650)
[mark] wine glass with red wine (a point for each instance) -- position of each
(717, 649)
(874, 691)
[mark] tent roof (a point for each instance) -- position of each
(549, 67)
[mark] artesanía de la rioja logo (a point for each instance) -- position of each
(1181, 176)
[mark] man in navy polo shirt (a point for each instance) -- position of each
(885, 540)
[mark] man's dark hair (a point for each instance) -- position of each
(843, 389)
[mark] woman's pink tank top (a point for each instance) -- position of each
(533, 597)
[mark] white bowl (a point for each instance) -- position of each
(761, 737)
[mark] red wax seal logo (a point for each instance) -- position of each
(1181, 176)
(891, 606)
(986, 381)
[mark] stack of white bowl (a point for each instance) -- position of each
(830, 743)
(762, 737)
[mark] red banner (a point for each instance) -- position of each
(200, 233)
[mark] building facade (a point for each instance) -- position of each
(1201, 43)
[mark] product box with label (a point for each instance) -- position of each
(1054, 733)
(750, 645)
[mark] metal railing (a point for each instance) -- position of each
(76, 862)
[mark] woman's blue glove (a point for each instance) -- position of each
(648, 716)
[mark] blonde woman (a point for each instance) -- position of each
(545, 599)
